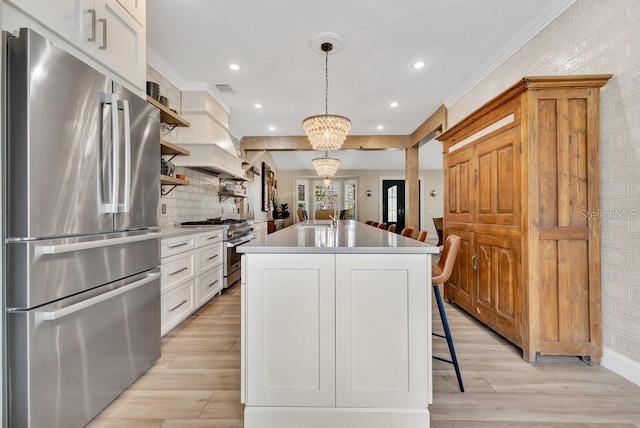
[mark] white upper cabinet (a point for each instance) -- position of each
(121, 42)
(137, 9)
(110, 31)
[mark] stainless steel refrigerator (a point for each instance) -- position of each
(82, 246)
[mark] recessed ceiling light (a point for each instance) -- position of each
(394, 104)
(418, 65)
(257, 105)
(272, 128)
(380, 127)
(234, 67)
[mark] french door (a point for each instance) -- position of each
(393, 203)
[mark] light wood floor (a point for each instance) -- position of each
(196, 382)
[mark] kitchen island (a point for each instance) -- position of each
(336, 328)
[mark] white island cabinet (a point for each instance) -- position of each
(336, 328)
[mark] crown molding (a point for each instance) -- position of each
(545, 16)
(164, 68)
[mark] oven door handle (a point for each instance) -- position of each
(240, 241)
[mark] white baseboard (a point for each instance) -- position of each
(624, 366)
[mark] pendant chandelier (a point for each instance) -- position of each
(326, 166)
(326, 132)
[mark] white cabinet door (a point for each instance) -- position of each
(290, 315)
(382, 311)
(103, 29)
(124, 47)
(137, 9)
(71, 19)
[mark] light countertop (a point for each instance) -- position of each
(347, 236)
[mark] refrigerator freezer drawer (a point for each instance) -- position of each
(70, 359)
(46, 270)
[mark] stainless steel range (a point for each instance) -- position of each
(237, 232)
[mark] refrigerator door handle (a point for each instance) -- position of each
(100, 243)
(111, 207)
(61, 313)
(126, 199)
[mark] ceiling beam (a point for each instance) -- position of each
(434, 124)
(300, 142)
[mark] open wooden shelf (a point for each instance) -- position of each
(167, 148)
(237, 197)
(166, 180)
(167, 116)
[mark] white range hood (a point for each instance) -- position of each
(208, 137)
(212, 158)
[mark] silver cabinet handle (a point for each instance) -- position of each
(89, 245)
(177, 306)
(213, 237)
(178, 271)
(212, 257)
(60, 313)
(474, 262)
(92, 12)
(182, 244)
(104, 33)
(212, 284)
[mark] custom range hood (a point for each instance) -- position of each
(211, 158)
(208, 138)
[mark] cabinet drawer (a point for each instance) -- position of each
(176, 305)
(208, 257)
(208, 285)
(177, 245)
(212, 237)
(178, 269)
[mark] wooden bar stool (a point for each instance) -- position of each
(374, 224)
(439, 275)
(422, 235)
(392, 228)
(382, 226)
(369, 222)
(407, 231)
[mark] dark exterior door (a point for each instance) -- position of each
(393, 203)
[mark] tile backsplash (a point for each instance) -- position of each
(197, 201)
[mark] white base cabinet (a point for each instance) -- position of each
(336, 340)
(191, 275)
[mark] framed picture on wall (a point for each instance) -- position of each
(266, 187)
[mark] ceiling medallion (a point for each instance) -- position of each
(326, 132)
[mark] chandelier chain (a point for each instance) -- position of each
(328, 131)
(326, 82)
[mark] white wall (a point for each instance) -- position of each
(254, 189)
(597, 36)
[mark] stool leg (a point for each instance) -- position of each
(447, 333)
